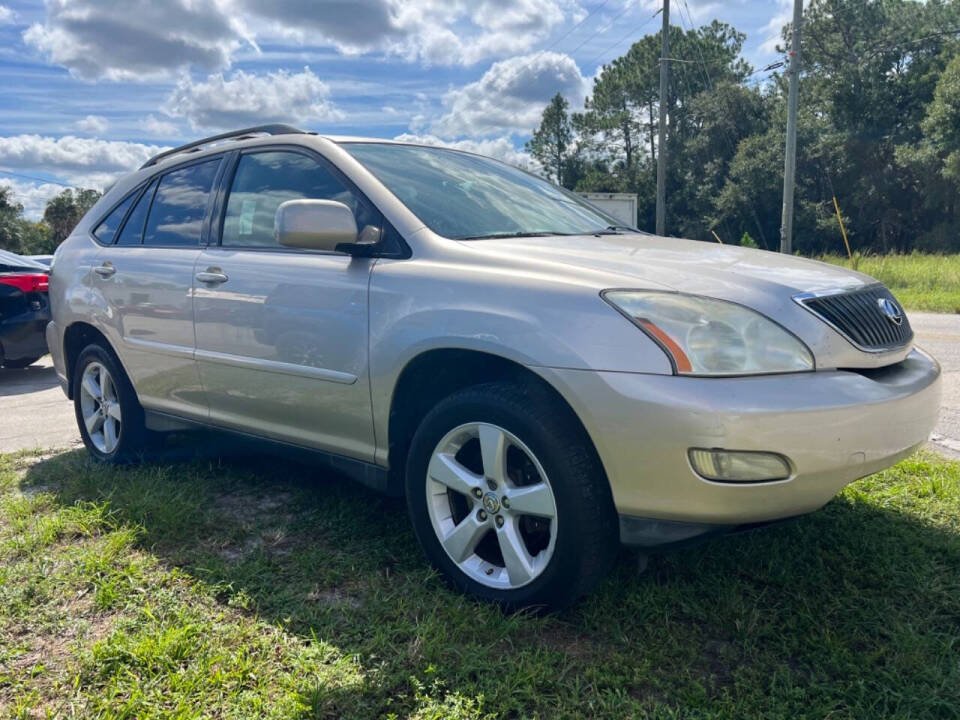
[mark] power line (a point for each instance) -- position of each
(706, 71)
(603, 29)
(42, 180)
(731, 136)
(633, 32)
(567, 33)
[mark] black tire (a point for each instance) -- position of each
(587, 535)
(20, 363)
(132, 439)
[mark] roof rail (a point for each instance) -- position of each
(275, 129)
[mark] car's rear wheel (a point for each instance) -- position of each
(508, 498)
(108, 413)
(20, 363)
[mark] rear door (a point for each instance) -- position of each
(146, 277)
(282, 333)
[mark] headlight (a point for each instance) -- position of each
(705, 336)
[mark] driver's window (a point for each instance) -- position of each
(264, 180)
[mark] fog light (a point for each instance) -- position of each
(739, 465)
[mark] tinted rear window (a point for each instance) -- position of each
(107, 230)
(179, 205)
(132, 233)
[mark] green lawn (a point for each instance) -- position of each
(920, 282)
(255, 588)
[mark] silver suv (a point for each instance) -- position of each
(540, 382)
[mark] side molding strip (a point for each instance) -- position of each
(218, 358)
(273, 366)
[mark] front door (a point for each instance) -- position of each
(281, 333)
(146, 278)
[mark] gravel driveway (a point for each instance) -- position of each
(35, 413)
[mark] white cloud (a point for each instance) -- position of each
(463, 32)
(80, 162)
(501, 148)
(137, 39)
(246, 99)
(773, 30)
(93, 124)
(156, 127)
(147, 39)
(32, 196)
(6, 15)
(511, 96)
(72, 157)
(447, 32)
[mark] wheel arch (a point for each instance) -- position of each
(75, 338)
(433, 375)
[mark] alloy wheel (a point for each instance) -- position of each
(100, 407)
(491, 506)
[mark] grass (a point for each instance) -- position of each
(920, 282)
(252, 588)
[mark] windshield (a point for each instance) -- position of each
(464, 196)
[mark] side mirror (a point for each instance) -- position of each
(314, 224)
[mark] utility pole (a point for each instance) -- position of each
(790, 162)
(662, 135)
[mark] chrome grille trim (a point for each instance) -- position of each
(856, 315)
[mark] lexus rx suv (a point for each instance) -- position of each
(540, 382)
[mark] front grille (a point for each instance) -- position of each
(857, 315)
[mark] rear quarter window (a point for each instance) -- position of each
(132, 232)
(106, 231)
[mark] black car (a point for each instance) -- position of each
(24, 310)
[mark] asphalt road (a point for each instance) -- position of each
(35, 413)
(940, 336)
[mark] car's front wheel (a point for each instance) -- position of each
(108, 413)
(508, 498)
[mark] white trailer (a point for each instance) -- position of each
(622, 206)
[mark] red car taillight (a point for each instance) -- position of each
(28, 282)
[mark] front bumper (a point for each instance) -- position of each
(835, 426)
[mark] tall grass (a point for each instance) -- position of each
(920, 282)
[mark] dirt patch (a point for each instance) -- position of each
(568, 640)
(335, 597)
(245, 507)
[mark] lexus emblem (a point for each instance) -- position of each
(892, 311)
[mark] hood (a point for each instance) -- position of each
(648, 261)
(764, 281)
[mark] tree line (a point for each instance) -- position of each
(879, 129)
(60, 216)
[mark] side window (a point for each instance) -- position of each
(179, 205)
(264, 180)
(107, 229)
(132, 233)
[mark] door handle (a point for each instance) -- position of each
(212, 276)
(106, 270)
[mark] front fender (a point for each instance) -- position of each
(532, 320)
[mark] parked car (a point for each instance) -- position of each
(540, 382)
(24, 310)
(44, 260)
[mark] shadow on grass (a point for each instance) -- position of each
(853, 610)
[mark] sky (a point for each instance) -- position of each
(89, 89)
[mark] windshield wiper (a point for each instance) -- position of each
(613, 230)
(494, 236)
